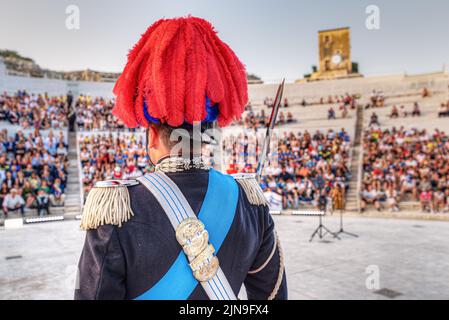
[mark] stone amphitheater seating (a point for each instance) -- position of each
(398, 89)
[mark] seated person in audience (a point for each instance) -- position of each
(392, 196)
(443, 111)
(10, 180)
(381, 194)
(13, 116)
(394, 112)
(61, 150)
(425, 199)
(303, 102)
(439, 199)
(374, 120)
(289, 117)
(292, 194)
(425, 93)
(347, 100)
(3, 192)
(285, 175)
(3, 111)
(409, 186)
(331, 114)
(57, 195)
(13, 202)
(42, 203)
(281, 119)
(403, 113)
(321, 200)
(425, 184)
(369, 196)
(344, 111)
(416, 111)
(28, 194)
(446, 194)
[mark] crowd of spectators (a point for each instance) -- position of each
(118, 156)
(96, 114)
(377, 99)
(305, 168)
(33, 171)
(344, 103)
(269, 102)
(402, 112)
(112, 156)
(39, 111)
(255, 120)
(405, 164)
(331, 114)
(348, 100)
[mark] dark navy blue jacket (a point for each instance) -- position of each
(124, 262)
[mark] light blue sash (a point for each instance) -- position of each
(217, 213)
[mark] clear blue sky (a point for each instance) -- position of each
(273, 38)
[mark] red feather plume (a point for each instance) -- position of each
(174, 65)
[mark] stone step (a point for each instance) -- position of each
(73, 200)
(72, 209)
(409, 205)
(71, 206)
(72, 188)
(72, 195)
(72, 175)
(53, 211)
(351, 204)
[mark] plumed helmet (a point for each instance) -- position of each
(180, 72)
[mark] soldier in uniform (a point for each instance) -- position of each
(184, 231)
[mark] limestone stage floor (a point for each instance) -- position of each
(391, 259)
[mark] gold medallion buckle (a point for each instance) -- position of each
(194, 239)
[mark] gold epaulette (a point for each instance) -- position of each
(252, 188)
(107, 203)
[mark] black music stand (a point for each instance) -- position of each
(321, 227)
(341, 227)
